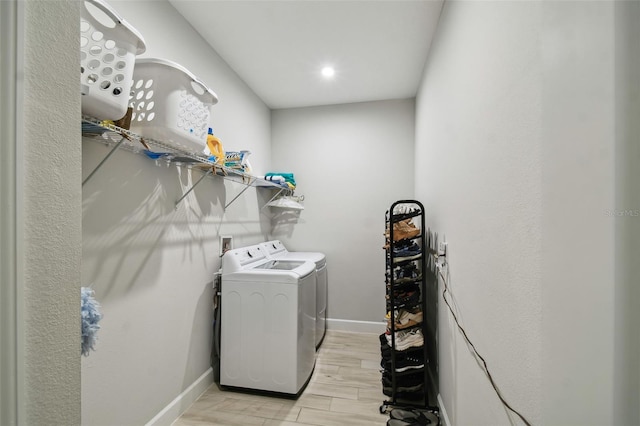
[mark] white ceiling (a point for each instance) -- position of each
(278, 47)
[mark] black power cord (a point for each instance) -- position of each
(475, 351)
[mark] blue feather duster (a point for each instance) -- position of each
(90, 317)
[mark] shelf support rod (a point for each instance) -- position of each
(272, 198)
(239, 194)
(104, 160)
(192, 187)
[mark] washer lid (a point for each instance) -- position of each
(263, 276)
(276, 250)
(281, 265)
(256, 277)
(319, 258)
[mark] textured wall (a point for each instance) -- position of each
(52, 214)
(152, 265)
(351, 162)
(514, 160)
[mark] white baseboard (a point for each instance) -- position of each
(356, 326)
(178, 406)
(444, 418)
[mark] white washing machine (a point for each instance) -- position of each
(267, 321)
(276, 250)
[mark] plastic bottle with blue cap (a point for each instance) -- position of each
(215, 147)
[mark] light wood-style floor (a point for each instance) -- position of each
(345, 389)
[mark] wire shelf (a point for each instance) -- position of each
(159, 151)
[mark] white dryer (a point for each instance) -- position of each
(276, 250)
(267, 321)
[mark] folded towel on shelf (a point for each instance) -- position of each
(288, 178)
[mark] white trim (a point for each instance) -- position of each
(181, 402)
(444, 417)
(356, 326)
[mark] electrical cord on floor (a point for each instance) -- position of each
(475, 351)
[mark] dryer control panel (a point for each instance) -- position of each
(274, 247)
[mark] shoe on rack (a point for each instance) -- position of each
(413, 361)
(414, 416)
(404, 209)
(414, 395)
(407, 250)
(406, 290)
(403, 230)
(407, 273)
(402, 382)
(405, 270)
(387, 388)
(410, 252)
(416, 353)
(397, 422)
(404, 298)
(405, 318)
(406, 339)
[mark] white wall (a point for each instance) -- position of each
(478, 174)
(350, 162)
(150, 265)
(577, 54)
(514, 159)
(49, 229)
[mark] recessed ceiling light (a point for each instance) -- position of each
(328, 72)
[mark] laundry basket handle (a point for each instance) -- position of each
(111, 13)
(200, 83)
(134, 37)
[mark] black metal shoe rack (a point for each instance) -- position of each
(409, 386)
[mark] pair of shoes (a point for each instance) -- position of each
(410, 362)
(404, 298)
(400, 356)
(405, 318)
(388, 389)
(404, 381)
(402, 271)
(397, 244)
(410, 252)
(406, 339)
(407, 273)
(404, 209)
(412, 417)
(415, 395)
(407, 289)
(403, 230)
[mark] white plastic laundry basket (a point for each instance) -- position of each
(170, 104)
(108, 49)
